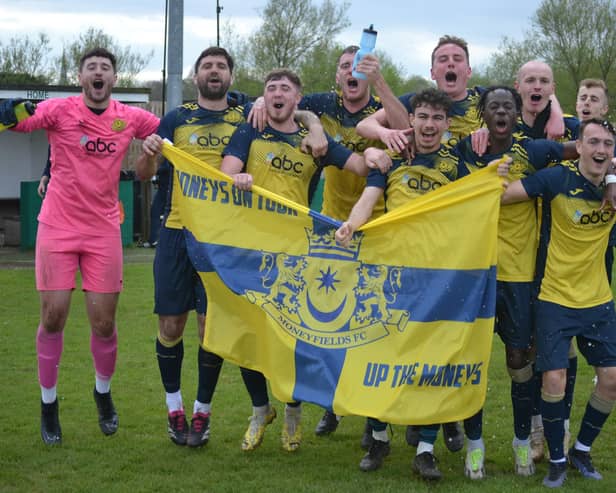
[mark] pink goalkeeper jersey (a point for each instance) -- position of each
(86, 155)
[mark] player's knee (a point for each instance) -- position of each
(601, 402)
(521, 375)
(517, 359)
(103, 328)
(53, 319)
(201, 325)
(171, 327)
(554, 382)
(606, 382)
(53, 326)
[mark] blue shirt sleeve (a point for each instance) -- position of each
(462, 167)
(337, 154)
(376, 179)
(304, 103)
(237, 98)
(239, 144)
(319, 103)
(572, 127)
(545, 183)
(542, 152)
(247, 107)
(405, 99)
(167, 125)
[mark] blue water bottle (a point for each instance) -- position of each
(366, 46)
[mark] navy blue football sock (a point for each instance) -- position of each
(553, 415)
(570, 385)
(521, 400)
(428, 433)
(597, 412)
(170, 364)
(209, 366)
(256, 385)
(473, 426)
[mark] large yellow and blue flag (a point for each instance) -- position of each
(397, 327)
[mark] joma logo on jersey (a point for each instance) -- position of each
(422, 184)
(285, 164)
(98, 145)
(209, 140)
(595, 217)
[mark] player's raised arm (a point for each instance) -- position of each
(372, 158)
(361, 212)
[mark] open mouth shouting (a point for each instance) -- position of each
(98, 84)
(599, 159)
(428, 134)
(536, 98)
(451, 77)
(502, 126)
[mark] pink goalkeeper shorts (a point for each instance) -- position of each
(59, 253)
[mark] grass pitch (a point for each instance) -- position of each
(140, 457)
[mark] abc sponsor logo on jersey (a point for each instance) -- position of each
(359, 146)
(593, 217)
(284, 164)
(209, 140)
(420, 184)
(97, 146)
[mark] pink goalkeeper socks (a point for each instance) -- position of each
(48, 350)
(104, 353)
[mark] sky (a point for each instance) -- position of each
(407, 30)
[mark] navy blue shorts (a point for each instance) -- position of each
(177, 285)
(514, 321)
(594, 328)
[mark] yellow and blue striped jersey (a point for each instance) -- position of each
(425, 172)
(517, 224)
(537, 131)
(464, 117)
(342, 188)
(576, 232)
(202, 133)
(276, 162)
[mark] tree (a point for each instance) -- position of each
(129, 63)
(318, 73)
(578, 39)
(579, 36)
(318, 70)
(244, 77)
(504, 65)
(24, 60)
(291, 30)
(396, 77)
